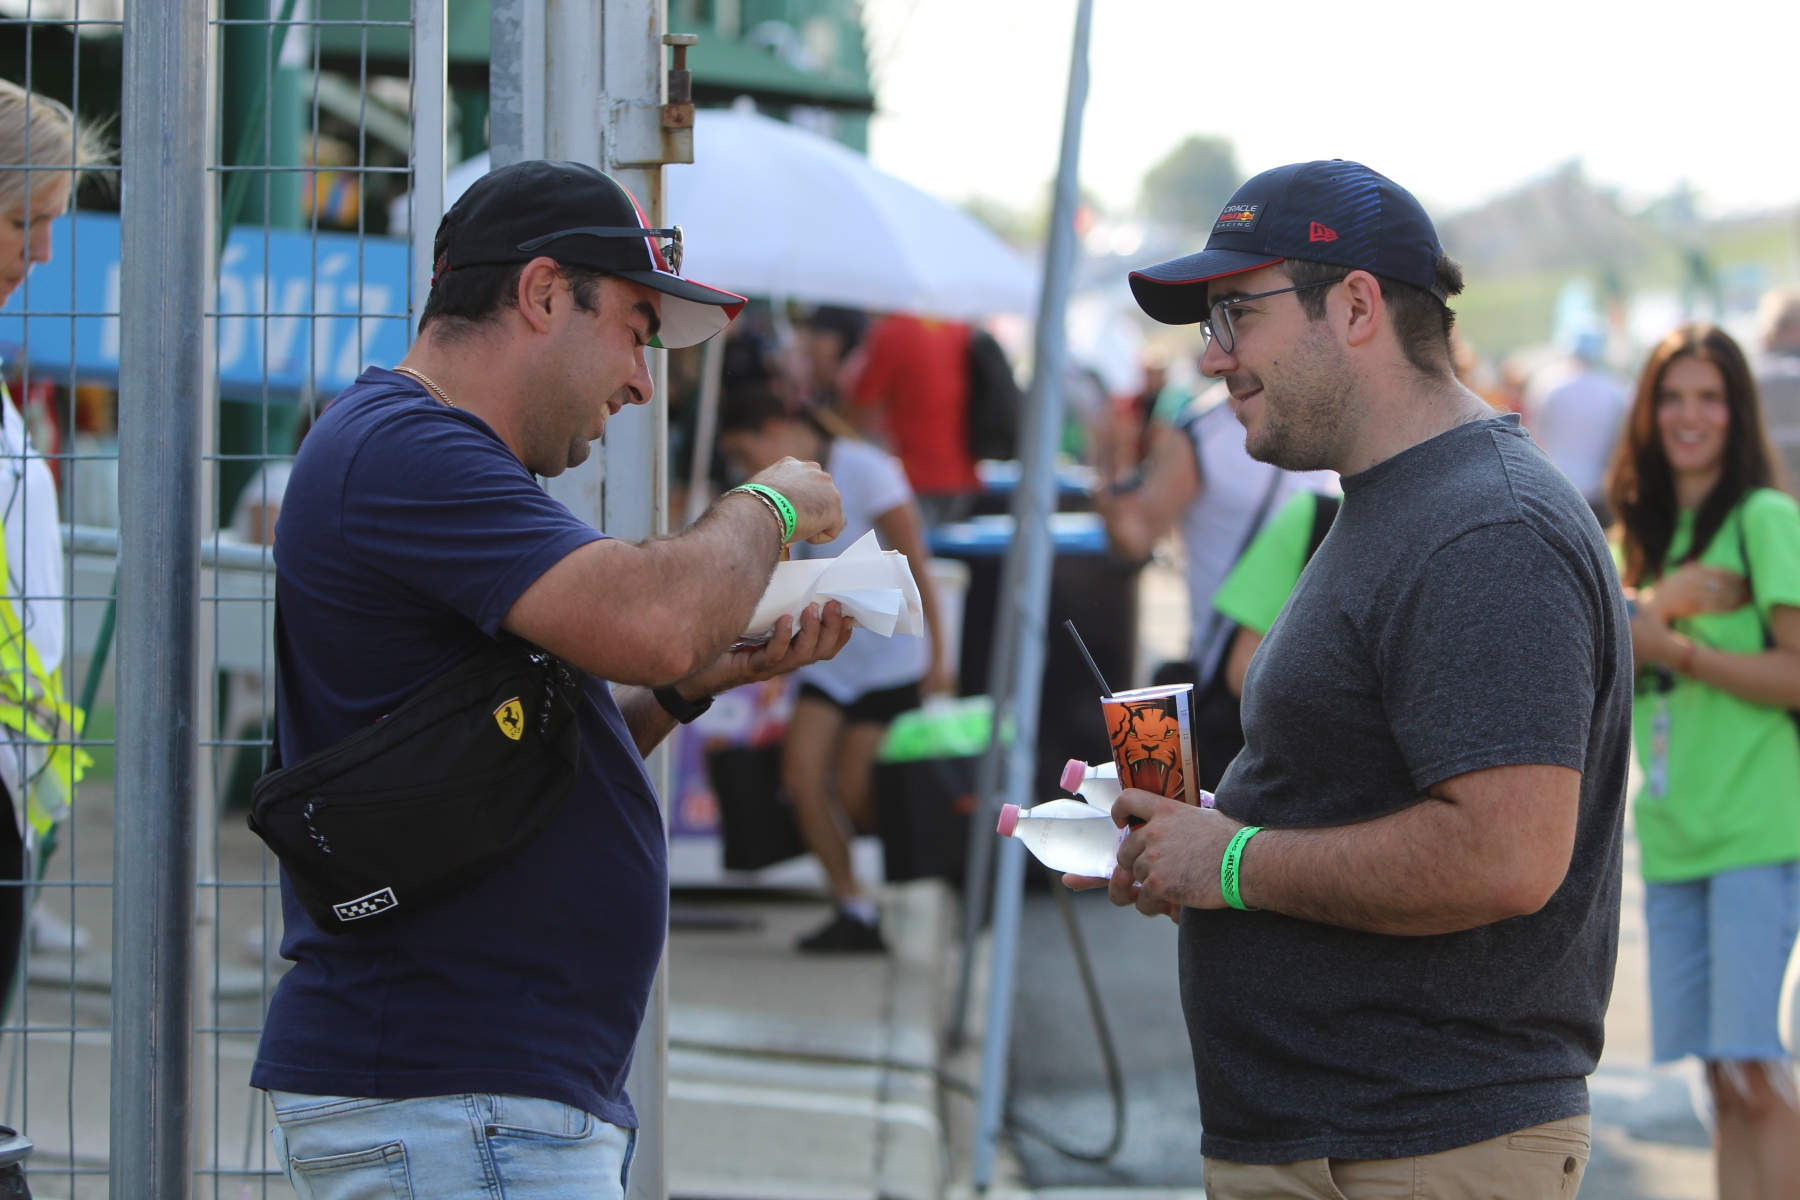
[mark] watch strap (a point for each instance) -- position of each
(683, 710)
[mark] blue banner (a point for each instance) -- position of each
(315, 309)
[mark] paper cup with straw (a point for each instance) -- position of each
(1152, 733)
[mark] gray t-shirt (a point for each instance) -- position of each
(1463, 613)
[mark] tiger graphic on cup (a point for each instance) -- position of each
(1152, 740)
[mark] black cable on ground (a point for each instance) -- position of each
(1109, 1055)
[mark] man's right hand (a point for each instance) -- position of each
(818, 509)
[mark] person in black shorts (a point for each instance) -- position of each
(845, 704)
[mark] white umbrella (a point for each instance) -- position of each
(770, 209)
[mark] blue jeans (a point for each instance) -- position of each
(448, 1148)
(1719, 948)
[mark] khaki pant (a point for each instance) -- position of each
(1545, 1162)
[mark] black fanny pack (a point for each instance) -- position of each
(433, 795)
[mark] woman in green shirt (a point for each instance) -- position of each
(1714, 553)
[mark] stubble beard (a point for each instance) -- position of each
(557, 432)
(1306, 409)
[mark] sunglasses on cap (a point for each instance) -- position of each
(671, 251)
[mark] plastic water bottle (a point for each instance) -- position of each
(1098, 785)
(1066, 835)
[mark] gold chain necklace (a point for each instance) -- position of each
(432, 387)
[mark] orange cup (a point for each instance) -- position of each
(1152, 732)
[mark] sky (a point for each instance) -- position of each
(1456, 101)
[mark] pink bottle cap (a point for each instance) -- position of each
(1206, 799)
(1009, 819)
(1073, 775)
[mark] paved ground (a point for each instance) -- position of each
(797, 1077)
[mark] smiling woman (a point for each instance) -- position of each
(1714, 550)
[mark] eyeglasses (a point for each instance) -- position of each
(1218, 326)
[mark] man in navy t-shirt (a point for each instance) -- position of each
(479, 1045)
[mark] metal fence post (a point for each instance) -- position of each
(1032, 506)
(162, 385)
(507, 28)
(431, 113)
(582, 82)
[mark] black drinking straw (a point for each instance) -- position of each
(1089, 659)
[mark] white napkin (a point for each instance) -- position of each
(875, 586)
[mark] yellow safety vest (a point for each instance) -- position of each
(33, 707)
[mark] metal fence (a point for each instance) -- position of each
(312, 168)
(58, 460)
(271, 150)
(284, 164)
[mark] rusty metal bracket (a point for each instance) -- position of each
(678, 113)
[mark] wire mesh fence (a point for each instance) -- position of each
(58, 459)
(314, 142)
(312, 279)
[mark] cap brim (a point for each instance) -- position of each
(691, 312)
(1175, 292)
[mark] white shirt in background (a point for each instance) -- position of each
(1575, 416)
(265, 490)
(34, 553)
(1234, 490)
(34, 570)
(871, 482)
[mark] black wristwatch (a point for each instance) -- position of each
(685, 711)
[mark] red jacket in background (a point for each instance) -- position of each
(918, 374)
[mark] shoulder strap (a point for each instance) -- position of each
(1216, 623)
(1749, 578)
(1325, 511)
(1768, 635)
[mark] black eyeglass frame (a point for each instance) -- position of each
(1228, 343)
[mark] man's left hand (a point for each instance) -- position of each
(819, 635)
(1168, 863)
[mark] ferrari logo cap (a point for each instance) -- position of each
(1330, 211)
(577, 215)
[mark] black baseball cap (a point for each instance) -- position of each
(585, 218)
(1330, 211)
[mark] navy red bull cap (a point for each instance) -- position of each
(1330, 211)
(577, 215)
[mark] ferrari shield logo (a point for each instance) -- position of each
(511, 719)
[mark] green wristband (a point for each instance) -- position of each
(783, 506)
(1228, 866)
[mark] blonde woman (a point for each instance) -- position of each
(42, 148)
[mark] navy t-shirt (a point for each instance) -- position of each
(407, 531)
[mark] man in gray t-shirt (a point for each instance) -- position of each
(1398, 927)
